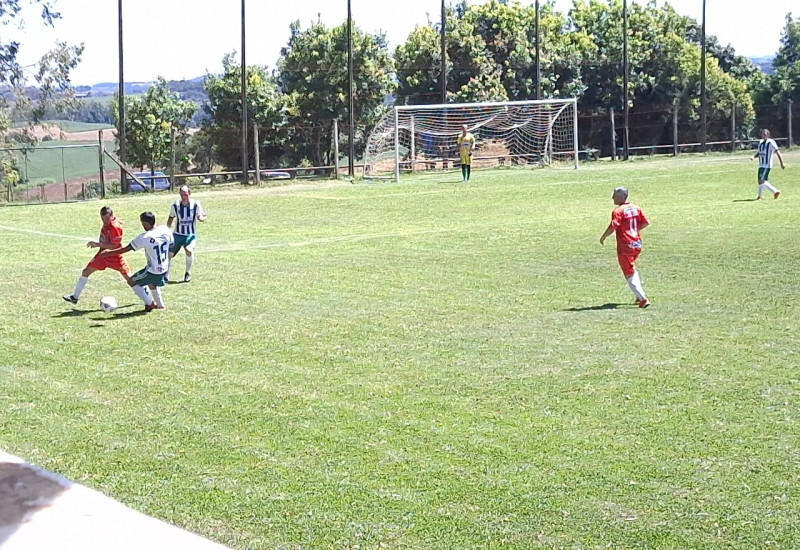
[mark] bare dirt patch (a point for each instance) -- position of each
(54, 132)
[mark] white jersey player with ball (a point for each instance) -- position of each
(155, 241)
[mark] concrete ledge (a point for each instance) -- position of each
(40, 510)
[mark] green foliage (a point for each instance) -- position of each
(471, 74)
(149, 121)
(93, 111)
(9, 171)
(221, 134)
(664, 67)
(50, 76)
(312, 72)
(784, 84)
(789, 51)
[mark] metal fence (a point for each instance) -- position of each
(667, 130)
(61, 173)
(52, 173)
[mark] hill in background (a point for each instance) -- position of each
(764, 63)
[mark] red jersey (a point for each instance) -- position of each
(627, 219)
(111, 233)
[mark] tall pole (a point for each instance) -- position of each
(121, 107)
(538, 58)
(244, 102)
(703, 113)
(444, 54)
(625, 70)
(351, 169)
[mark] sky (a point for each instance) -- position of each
(178, 40)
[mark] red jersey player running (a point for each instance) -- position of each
(627, 220)
(110, 237)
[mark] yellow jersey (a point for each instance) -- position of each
(466, 143)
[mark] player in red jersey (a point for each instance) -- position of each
(110, 237)
(628, 220)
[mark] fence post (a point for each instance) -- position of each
(64, 176)
(613, 136)
(675, 150)
(172, 159)
(733, 127)
(102, 165)
(336, 148)
(256, 146)
(789, 119)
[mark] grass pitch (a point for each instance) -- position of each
(428, 364)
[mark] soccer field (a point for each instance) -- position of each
(428, 364)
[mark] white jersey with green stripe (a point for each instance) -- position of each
(155, 243)
(766, 149)
(186, 216)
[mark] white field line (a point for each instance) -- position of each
(328, 240)
(44, 233)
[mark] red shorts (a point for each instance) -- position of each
(627, 262)
(116, 262)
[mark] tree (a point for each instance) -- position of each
(222, 131)
(312, 72)
(470, 74)
(150, 120)
(784, 84)
(51, 74)
(491, 51)
(789, 51)
(664, 66)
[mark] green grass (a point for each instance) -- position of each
(73, 126)
(428, 364)
(58, 161)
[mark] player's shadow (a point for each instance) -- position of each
(745, 200)
(135, 313)
(77, 312)
(82, 312)
(178, 282)
(610, 305)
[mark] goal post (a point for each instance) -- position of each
(414, 138)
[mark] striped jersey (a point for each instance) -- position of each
(766, 150)
(186, 216)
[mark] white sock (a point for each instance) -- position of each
(157, 298)
(760, 189)
(635, 284)
(79, 286)
(769, 186)
(189, 263)
(141, 292)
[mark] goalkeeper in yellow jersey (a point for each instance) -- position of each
(466, 145)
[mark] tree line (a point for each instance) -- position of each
(490, 56)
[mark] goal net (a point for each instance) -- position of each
(423, 137)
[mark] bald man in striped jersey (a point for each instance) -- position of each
(766, 149)
(187, 212)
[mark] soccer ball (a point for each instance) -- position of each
(109, 304)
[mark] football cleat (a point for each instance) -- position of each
(151, 307)
(70, 298)
(777, 194)
(187, 278)
(644, 303)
